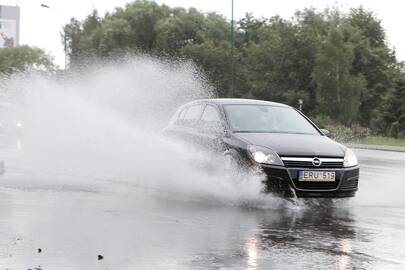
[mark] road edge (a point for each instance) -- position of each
(376, 147)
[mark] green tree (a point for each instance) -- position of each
(270, 61)
(373, 59)
(210, 49)
(390, 119)
(24, 58)
(339, 63)
(71, 35)
(338, 89)
(177, 31)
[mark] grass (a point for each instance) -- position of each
(375, 140)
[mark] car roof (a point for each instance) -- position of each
(239, 101)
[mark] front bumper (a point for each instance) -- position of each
(285, 181)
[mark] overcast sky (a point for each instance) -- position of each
(41, 27)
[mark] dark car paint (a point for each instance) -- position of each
(284, 144)
(305, 145)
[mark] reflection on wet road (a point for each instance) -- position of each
(144, 229)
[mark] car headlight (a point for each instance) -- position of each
(350, 159)
(264, 155)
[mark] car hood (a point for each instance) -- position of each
(286, 144)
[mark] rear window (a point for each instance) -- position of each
(193, 113)
(210, 115)
(190, 115)
(181, 114)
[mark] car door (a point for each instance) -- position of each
(211, 128)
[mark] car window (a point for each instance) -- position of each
(211, 120)
(264, 118)
(210, 115)
(192, 115)
(180, 116)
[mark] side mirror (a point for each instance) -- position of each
(226, 133)
(325, 132)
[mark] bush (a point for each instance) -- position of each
(342, 133)
(394, 130)
(354, 133)
(322, 121)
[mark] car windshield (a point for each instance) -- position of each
(267, 118)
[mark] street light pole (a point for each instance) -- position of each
(232, 83)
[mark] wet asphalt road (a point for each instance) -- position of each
(135, 228)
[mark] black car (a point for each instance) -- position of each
(296, 156)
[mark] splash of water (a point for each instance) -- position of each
(105, 124)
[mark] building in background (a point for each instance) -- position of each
(9, 26)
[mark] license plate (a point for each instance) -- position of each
(316, 176)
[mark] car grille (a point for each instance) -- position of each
(307, 162)
(316, 185)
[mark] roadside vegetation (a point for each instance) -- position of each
(339, 63)
(378, 140)
(24, 58)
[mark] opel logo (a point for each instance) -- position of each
(316, 162)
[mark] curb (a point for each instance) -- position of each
(377, 147)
